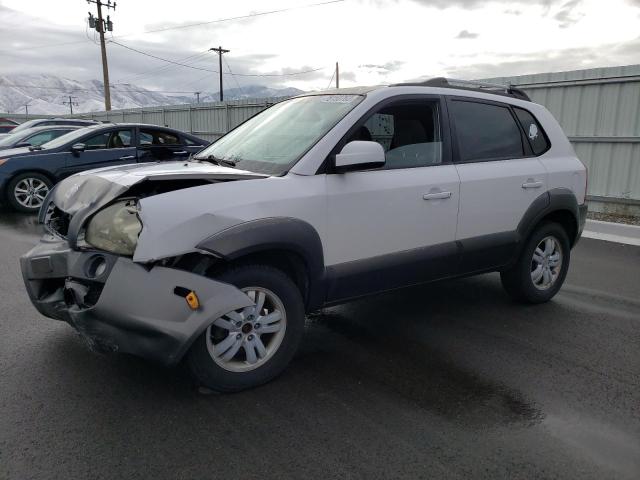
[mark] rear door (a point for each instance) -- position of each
(499, 179)
(157, 145)
(109, 147)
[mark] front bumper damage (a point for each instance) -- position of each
(119, 305)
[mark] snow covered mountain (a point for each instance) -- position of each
(46, 93)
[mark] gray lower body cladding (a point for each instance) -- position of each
(123, 306)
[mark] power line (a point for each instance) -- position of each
(228, 19)
(233, 76)
(83, 89)
(162, 68)
(216, 71)
(162, 59)
(331, 81)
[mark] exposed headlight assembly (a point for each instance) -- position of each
(116, 228)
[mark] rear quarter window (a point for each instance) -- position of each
(535, 134)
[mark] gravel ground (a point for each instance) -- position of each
(612, 217)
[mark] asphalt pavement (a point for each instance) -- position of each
(448, 380)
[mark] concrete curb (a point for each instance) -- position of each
(612, 232)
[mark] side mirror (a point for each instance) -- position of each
(77, 148)
(22, 144)
(360, 155)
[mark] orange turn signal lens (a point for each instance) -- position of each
(192, 300)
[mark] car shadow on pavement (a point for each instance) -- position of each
(378, 347)
(383, 344)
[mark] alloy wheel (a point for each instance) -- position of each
(30, 192)
(245, 339)
(546, 263)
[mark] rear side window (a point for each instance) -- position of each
(485, 131)
(157, 137)
(537, 138)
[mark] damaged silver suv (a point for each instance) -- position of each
(319, 199)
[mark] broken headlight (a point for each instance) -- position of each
(116, 228)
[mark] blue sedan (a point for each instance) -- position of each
(27, 174)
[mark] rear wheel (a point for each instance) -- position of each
(27, 191)
(250, 346)
(542, 266)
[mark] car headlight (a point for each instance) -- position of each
(116, 228)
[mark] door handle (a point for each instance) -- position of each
(128, 157)
(436, 195)
(531, 184)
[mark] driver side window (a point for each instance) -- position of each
(409, 133)
(112, 139)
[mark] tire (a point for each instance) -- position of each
(242, 330)
(527, 280)
(35, 187)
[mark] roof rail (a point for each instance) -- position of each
(478, 86)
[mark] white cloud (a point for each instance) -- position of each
(374, 40)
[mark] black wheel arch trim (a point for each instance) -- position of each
(274, 233)
(556, 199)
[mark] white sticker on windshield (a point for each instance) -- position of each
(338, 98)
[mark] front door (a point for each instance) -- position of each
(396, 225)
(111, 147)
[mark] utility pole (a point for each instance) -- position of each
(101, 26)
(337, 76)
(220, 51)
(26, 109)
(71, 103)
(197, 94)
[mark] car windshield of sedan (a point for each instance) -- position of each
(275, 139)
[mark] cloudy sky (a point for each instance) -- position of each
(375, 41)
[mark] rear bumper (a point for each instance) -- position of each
(128, 307)
(582, 219)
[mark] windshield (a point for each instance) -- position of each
(10, 139)
(66, 138)
(272, 141)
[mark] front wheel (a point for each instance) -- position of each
(542, 266)
(250, 346)
(27, 191)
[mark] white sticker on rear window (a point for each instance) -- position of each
(338, 98)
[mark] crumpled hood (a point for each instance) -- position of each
(83, 194)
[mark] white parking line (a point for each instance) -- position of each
(609, 237)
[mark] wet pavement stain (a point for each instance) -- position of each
(23, 222)
(400, 364)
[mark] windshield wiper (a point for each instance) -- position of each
(223, 162)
